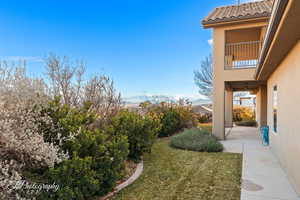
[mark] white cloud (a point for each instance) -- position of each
(210, 42)
(22, 58)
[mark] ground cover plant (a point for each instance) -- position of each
(196, 140)
(251, 123)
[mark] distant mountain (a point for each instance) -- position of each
(201, 101)
(134, 101)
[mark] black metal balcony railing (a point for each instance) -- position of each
(242, 55)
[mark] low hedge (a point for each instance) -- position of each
(251, 123)
(196, 140)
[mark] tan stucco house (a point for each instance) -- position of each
(257, 48)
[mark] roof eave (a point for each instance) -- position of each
(229, 21)
(272, 29)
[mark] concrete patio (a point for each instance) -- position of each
(262, 177)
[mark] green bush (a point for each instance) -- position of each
(170, 123)
(252, 123)
(95, 167)
(66, 121)
(76, 179)
(141, 131)
(196, 140)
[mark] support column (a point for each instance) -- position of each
(218, 110)
(261, 106)
(228, 107)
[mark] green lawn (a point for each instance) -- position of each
(177, 174)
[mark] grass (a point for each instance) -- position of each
(173, 174)
(196, 140)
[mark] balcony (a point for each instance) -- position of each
(242, 55)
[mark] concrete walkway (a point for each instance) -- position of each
(262, 177)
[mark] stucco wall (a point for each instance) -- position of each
(243, 35)
(286, 142)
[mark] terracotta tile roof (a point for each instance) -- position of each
(237, 12)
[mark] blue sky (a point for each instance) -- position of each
(147, 47)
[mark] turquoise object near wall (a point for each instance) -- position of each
(264, 132)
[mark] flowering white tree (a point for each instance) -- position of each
(22, 145)
(16, 87)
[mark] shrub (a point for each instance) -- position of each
(196, 140)
(76, 178)
(97, 156)
(187, 117)
(204, 118)
(66, 119)
(140, 130)
(247, 123)
(243, 113)
(96, 165)
(174, 117)
(170, 123)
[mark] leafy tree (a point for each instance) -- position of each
(203, 77)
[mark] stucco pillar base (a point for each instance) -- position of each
(218, 111)
(228, 107)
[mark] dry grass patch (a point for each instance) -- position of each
(206, 126)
